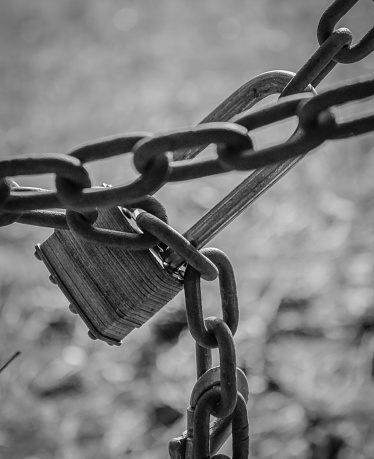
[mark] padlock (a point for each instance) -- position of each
(115, 290)
(111, 289)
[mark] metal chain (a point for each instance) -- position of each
(235, 151)
(221, 391)
(317, 124)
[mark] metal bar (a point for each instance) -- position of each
(244, 98)
(256, 183)
(232, 205)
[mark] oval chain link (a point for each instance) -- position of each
(177, 242)
(240, 426)
(229, 300)
(83, 227)
(329, 19)
(68, 168)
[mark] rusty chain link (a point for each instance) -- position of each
(329, 19)
(82, 226)
(240, 427)
(228, 294)
(220, 391)
(176, 241)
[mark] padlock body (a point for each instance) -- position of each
(113, 290)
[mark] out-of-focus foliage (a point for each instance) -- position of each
(303, 254)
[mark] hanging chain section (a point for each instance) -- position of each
(220, 391)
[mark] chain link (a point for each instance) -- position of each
(320, 64)
(63, 166)
(176, 241)
(229, 136)
(240, 426)
(227, 355)
(82, 225)
(313, 110)
(330, 18)
(228, 292)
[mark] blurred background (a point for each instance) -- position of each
(303, 253)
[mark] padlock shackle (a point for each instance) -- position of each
(232, 205)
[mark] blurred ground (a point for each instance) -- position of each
(303, 254)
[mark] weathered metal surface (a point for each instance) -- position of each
(328, 21)
(113, 290)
